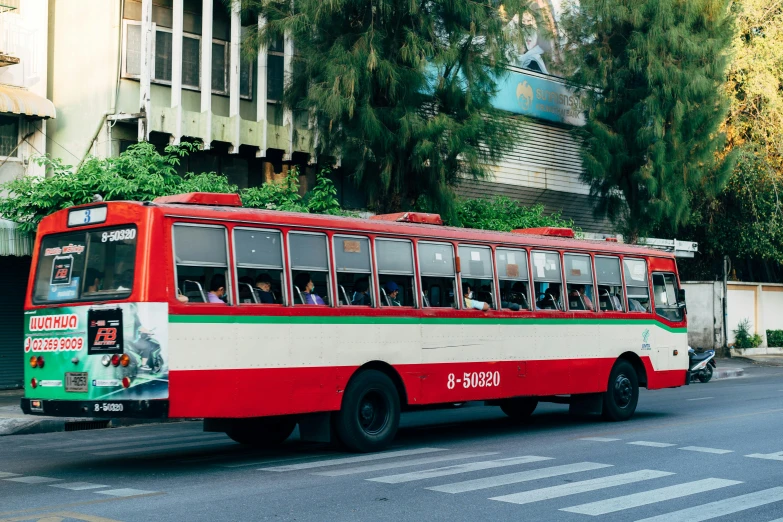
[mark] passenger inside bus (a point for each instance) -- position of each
(217, 289)
(404, 290)
(608, 298)
(94, 280)
(263, 289)
(550, 299)
(578, 299)
(471, 303)
(304, 283)
(361, 293)
(391, 291)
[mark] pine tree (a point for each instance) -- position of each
(656, 71)
(399, 90)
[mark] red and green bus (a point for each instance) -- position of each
(257, 321)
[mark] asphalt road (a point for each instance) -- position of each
(703, 452)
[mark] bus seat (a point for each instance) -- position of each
(246, 294)
(194, 291)
(576, 302)
(385, 297)
(425, 301)
(298, 293)
(344, 299)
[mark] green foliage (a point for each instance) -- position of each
(323, 198)
(657, 69)
(775, 338)
(743, 337)
(276, 196)
(399, 90)
(503, 214)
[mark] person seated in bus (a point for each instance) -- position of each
(578, 292)
(361, 293)
(93, 280)
(182, 298)
(636, 306)
(392, 292)
(263, 289)
(217, 289)
(550, 300)
(471, 303)
(305, 284)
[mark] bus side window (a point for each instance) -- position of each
(636, 284)
(352, 259)
(309, 264)
(436, 264)
(476, 267)
(259, 261)
(665, 291)
(579, 282)
(395, 272)
(610, 284)
(513, 278)
(548, 284)
(201, 262)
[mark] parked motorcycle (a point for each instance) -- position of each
(145, 353)
(701, 364)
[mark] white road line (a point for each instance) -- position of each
(706, 450)
(768, 456)
(154, 449)
(611, 505)
(32, 479)
(78, 486)
(700, 399)
(515, 478)
(124, 492)
(5, 474)
(402, 464)
(146, 443)
(723, 507)
(583, 486)
(351, 460)
(274, 461)
(651, 444)
(458, 468)
(599, 439)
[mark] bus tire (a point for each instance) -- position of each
(520, 408)
(622, 393)
(261, 432)
(370, 413)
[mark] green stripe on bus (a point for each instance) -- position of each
(266, 319)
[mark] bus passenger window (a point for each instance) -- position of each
(259, 262)
(395, 272)
(636, 285)
(352, 259)
(436, 263)
(579, 282)
(476, 266)
(610, 284)
(547, 281)
(665, 292)
(309, 268)
(513, 278)
(201, 264)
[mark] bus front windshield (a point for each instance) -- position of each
(87, 265)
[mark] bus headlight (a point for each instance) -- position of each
(106, 360)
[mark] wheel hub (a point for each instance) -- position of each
(373, 413)
(623, 391)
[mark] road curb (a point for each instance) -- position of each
(732, 373)
(28, 425)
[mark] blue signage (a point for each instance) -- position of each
(540, 98)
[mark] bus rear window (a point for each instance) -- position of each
(88, 265)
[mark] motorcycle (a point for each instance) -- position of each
(145, 353)
(701, 364)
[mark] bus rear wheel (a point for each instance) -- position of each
(370, 412)
(520, 408)
(622, 394)
(261, 432)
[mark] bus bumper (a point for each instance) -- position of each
(156, 409)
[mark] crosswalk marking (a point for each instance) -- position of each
(599, 439)
(457, 468)
(402, 464)
(153, 449)
(706, 450)
(723, 507)
(351, 460)
(651, 444)
(5, 474)
(769, 456)
(147, 443)
(78, 486)
(515, 478)
(273, 461)
(583, 486)
(611, 505)
(32, 479)
(124, 492)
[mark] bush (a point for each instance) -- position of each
(743, 337)
(775, 338)
(504, 214)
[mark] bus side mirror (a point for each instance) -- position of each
(681, 296)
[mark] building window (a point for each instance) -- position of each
(191, 62)
(163, 56)
(9, 135)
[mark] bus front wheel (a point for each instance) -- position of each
(520, 408)
(622, 394)
(370, 413)
(261, 432)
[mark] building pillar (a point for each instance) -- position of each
(288, 115)
(261, 91)
(233, 77)
(147, 42)
(206, 72)
(176, 69)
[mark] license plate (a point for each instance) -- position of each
(76, 382)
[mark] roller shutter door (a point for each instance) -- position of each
(13, 285)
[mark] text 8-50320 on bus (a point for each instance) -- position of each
(194, 307)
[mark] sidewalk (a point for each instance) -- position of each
(729, 368)
(760, 360)
(14, 422)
